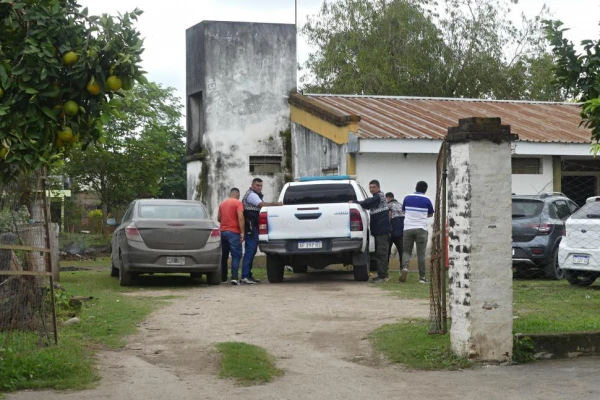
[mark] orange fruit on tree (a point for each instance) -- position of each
(1, 92)
(127, 83)
(3, 152)
(114, 83)
(66, 135)
(71, 108)
(59, 144)
(70, 58)
(94, 88)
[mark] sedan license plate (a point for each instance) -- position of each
(581, 259)
(175, 260)
(310, 245)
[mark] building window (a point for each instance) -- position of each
(268, 165)
(526, 166)
(331, 171)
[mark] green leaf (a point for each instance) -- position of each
(30, 90)
(50, 113)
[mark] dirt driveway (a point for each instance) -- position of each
(316, 326)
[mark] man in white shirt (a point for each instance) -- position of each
(417, 209)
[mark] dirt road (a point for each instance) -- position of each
(316, 326)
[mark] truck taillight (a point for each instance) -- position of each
(355, 220)
(263, 223)
(132, 233)
(215, 236)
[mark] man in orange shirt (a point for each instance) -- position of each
(231, 217)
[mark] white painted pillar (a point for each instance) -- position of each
(479, 214)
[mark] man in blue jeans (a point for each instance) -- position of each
(253, 202)
(231, 217)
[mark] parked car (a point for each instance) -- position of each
(166, 236)
(579, 251)
(537, 225)
(316, 227)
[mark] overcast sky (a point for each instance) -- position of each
(163, 24)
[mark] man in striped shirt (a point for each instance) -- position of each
(417, 209)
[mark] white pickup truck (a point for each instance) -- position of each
(317, 226)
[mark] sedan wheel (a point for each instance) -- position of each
(125, 278)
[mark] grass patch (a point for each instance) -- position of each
(543, 306)
(104, 323)
(246, 363)
(408, 343)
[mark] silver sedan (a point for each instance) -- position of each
(166, 236)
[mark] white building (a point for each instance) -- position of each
(239, 76)
(396, 140)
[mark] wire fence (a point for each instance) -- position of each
(27, 304)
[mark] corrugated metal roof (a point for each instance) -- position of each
(384, 117)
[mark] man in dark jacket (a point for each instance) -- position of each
(380, 228)
(397, 220)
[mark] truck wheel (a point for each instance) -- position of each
(361, 272)
(274, 269)
(300, 269)
(580, 278)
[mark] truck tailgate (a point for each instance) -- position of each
(309, 221)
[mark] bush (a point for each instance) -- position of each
(95, 221)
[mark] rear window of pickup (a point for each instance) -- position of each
(319, 194)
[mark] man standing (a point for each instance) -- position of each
(253, 202)
(417, 208)
(380, 228)
(231, 217)
(397, 220)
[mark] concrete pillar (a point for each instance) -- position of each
(479, 215)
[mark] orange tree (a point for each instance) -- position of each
(60, 68)
(579, 74)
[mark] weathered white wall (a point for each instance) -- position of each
(240, 76)
(534, 184)
(480, 283)
(312, 153)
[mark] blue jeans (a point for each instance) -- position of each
(231, 242)
(250, 252)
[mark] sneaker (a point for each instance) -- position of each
(234, 282)
(403, 275)
(247, 281)
(379, 279)
(423, 280)
(253, 279)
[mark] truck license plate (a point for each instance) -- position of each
(175, 260)
(581, 259)
(310, 245)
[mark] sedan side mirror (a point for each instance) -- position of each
(112, 222)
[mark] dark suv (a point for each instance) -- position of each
(537, 225)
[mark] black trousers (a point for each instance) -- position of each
(398, 241)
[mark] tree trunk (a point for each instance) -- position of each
(104, 218)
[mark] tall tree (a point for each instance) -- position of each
(59, 67)
(578, 74)
(456, 48)
(142, 151)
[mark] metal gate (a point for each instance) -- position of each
(439, 250)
